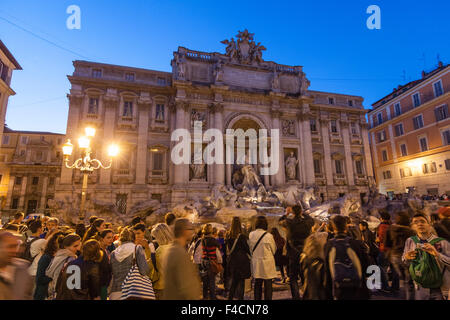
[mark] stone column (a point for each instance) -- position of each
(12, 180)
(75, 104)
(44, 193)
(23, 190)
(142, 144)
(111, 107)
(367, 155)
(279, 176)
(326, 151)
(219, 169)
(348, 153)
(309, 178)
(179, 178)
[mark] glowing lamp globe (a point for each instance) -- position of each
(113, 150)
(84, 143)
(90, 132)
(67, 148)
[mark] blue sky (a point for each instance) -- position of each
(328, 38)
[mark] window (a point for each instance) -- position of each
(429, 168)
(24, 140)
(437, 86)
(18, 181)
(15, 203)
(399, 130)
(317, 166)
(403, 150)
(161, 81)
(338, 164)
(350, 103)
(96, 73)
(157, 196)
(160, 113)
(446, 137)
(39, 155)
(423, 144)
(359, 167)
(1, 67)
(35, 181)
(425, 168)
(381, 136)
(441, 112)
(158, 163)
(312, 125)
(354, 128)
(333, 126)
(58, 154)
(416, 99)
(380, 118)
(387, 175)
(418, 122)
(1, 176)
(121, 203)
(128, 109)
(447, 164)
(433, 167)
(330, 100)
(397, 109)
(5, 140)
(384, 155)
(93, 106)
(51, 181)
(405, 172)
(129, 76)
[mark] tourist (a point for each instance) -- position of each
(106, 238)
(71, 245)
(139, 234)
(195, 250)
(438, 248)
(263, 247)
(211, 257)
(184, 283)
(442, 227)
(51, 226)
(298, 229)
(382, 260)
(34, 249)
(136, 220)
(312, 261)
(122, 260)
(97, 226)
(395, 240)
(17, 220)
(15, 282)
(80, 229)
(222, 249)
(280, 257)
(353, 229)
(164, 237)
(92, 220)
(42, 281)
(345, 283)
(369, 239)
(170, 218)
(89, 265)
(238, 255)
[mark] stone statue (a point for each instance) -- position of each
(276, 81)
(245, 50)
(200, 116)
(181, 70)
(231, 49)
(198, 170)
(291, 167)
(218, 71)
(251, 178)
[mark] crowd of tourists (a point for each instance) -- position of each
(176, 260)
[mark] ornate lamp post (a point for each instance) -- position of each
(86, 164)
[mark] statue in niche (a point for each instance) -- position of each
(198, 169)
(276, 81)
(199, 116)
(218, 72)
(291, 167)
(181, 67)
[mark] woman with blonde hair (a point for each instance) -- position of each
(312, 261)
(163, 237)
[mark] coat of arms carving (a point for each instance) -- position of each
(245, 50)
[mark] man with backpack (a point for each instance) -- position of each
(346, 264)
(428, 257)
(298, 229)
(35, 228)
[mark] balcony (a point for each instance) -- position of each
(361, 180)
(320, 179)
(123, 176)
(339, 179)
(157, 177)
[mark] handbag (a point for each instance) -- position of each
(137, 286)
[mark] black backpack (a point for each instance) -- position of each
(26, 255)
(344, 264)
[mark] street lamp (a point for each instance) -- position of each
(85, 164)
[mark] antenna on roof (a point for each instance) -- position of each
(404, 76)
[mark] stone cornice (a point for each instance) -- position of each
(75, 98)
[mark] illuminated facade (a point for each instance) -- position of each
(410, 135)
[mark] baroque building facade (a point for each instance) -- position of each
(323, 136)
(410, 135)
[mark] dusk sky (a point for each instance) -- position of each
(329, 39)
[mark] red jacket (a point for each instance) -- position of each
(382, 231)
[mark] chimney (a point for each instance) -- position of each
(440, 64)
(423, 74)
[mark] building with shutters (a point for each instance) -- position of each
(410, 135)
